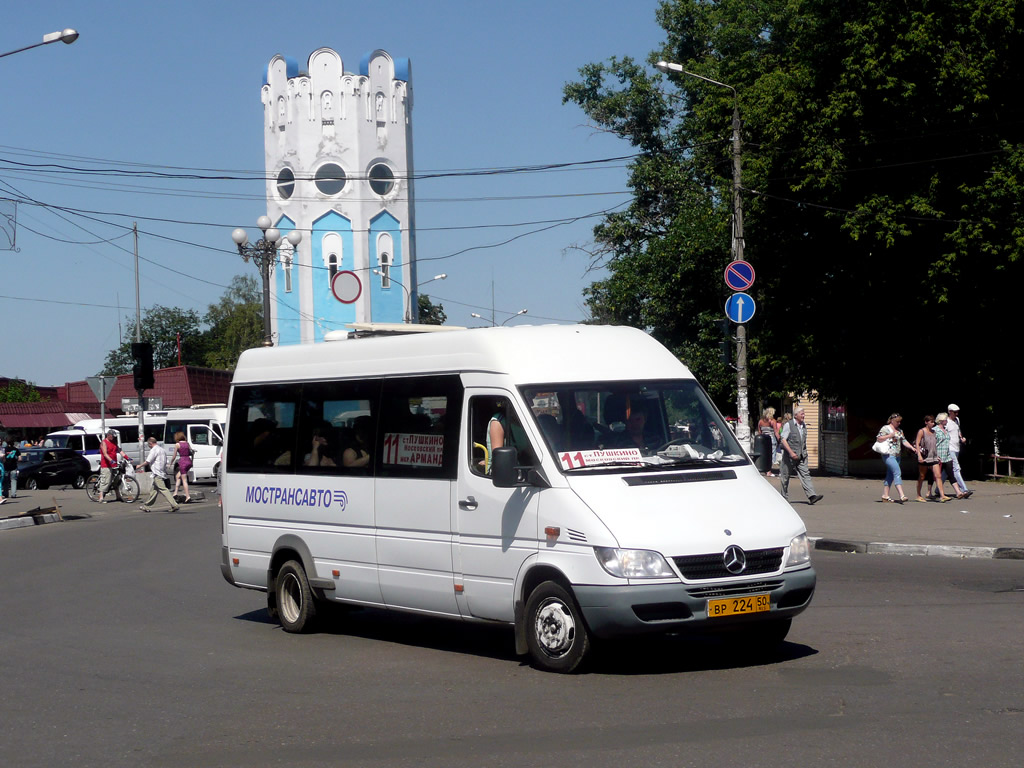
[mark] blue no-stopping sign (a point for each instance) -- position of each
(740, 308)
(739, 275)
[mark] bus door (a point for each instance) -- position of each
(496, 529)
(415, 457)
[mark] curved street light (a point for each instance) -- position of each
(442, 276)
(517, 314)
(67, 36)
(263, 253)
(478, 316)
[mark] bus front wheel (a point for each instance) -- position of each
(555, 632)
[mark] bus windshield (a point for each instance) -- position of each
(632, 423)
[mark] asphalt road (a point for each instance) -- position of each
(121, 645)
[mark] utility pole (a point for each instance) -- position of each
(742, 405)
(138, 339)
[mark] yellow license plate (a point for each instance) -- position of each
(731, 606)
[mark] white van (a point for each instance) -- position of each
(203, 426)
(85, 441)
(127, 428)
(574, 482)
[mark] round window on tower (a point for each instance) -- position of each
(382, 179)
(330, 179)
(285, 183)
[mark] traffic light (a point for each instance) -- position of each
(723, 342)
(142, 367)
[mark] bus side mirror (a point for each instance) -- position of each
(505, 473)
(503, 467)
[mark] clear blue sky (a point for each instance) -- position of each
(178, 85)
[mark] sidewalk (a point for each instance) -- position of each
(851, 518)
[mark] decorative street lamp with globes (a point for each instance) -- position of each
(263, 253)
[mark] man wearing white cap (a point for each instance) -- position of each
(956, 439)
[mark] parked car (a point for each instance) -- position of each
(44, 467)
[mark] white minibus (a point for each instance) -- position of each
(203, 426)
(85, 441)
(127, 428)
(574, 482)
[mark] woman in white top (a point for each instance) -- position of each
(892, 436)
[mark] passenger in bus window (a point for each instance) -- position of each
(357, 452)
(322, 452)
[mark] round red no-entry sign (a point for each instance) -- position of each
(346, 286)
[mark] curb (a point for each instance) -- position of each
(933, 550)
(27, 521)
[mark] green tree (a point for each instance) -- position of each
(161, 327)
(18, 391)
(882, 172)
(430, 313)
(235, 323)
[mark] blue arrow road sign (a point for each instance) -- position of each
(739, 275)
(739, 308)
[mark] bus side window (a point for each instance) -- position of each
(493, 423)
(263, 418)
(418, 432)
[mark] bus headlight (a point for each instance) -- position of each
(633, 563)
(799, 551)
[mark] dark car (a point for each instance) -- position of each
(43, 467)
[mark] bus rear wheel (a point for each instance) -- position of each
(296, 606)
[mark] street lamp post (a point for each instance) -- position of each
(742, 404)
(263, 253)
(517, 314)
(478, 316)
(408, 293)
(67, 36)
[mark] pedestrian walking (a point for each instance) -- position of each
(889, 442)
(770, 427)
(928, 466)
(956, 442)
(155, 461)
(184, 453)
(943, 439)
(794, 457)
(10, 462)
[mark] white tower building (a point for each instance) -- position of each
(339, 168)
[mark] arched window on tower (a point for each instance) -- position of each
(332, 252)
(287, 261)
(385, 257)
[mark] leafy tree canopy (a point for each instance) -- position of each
(882, 173)
(430, 313)
(18, 391)
(233, 325)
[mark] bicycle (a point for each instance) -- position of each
(122, 483)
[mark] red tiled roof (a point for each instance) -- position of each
(179, 387)
(46, 415)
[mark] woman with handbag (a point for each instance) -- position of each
(184, 453)
(928, 465)
(888, 443)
